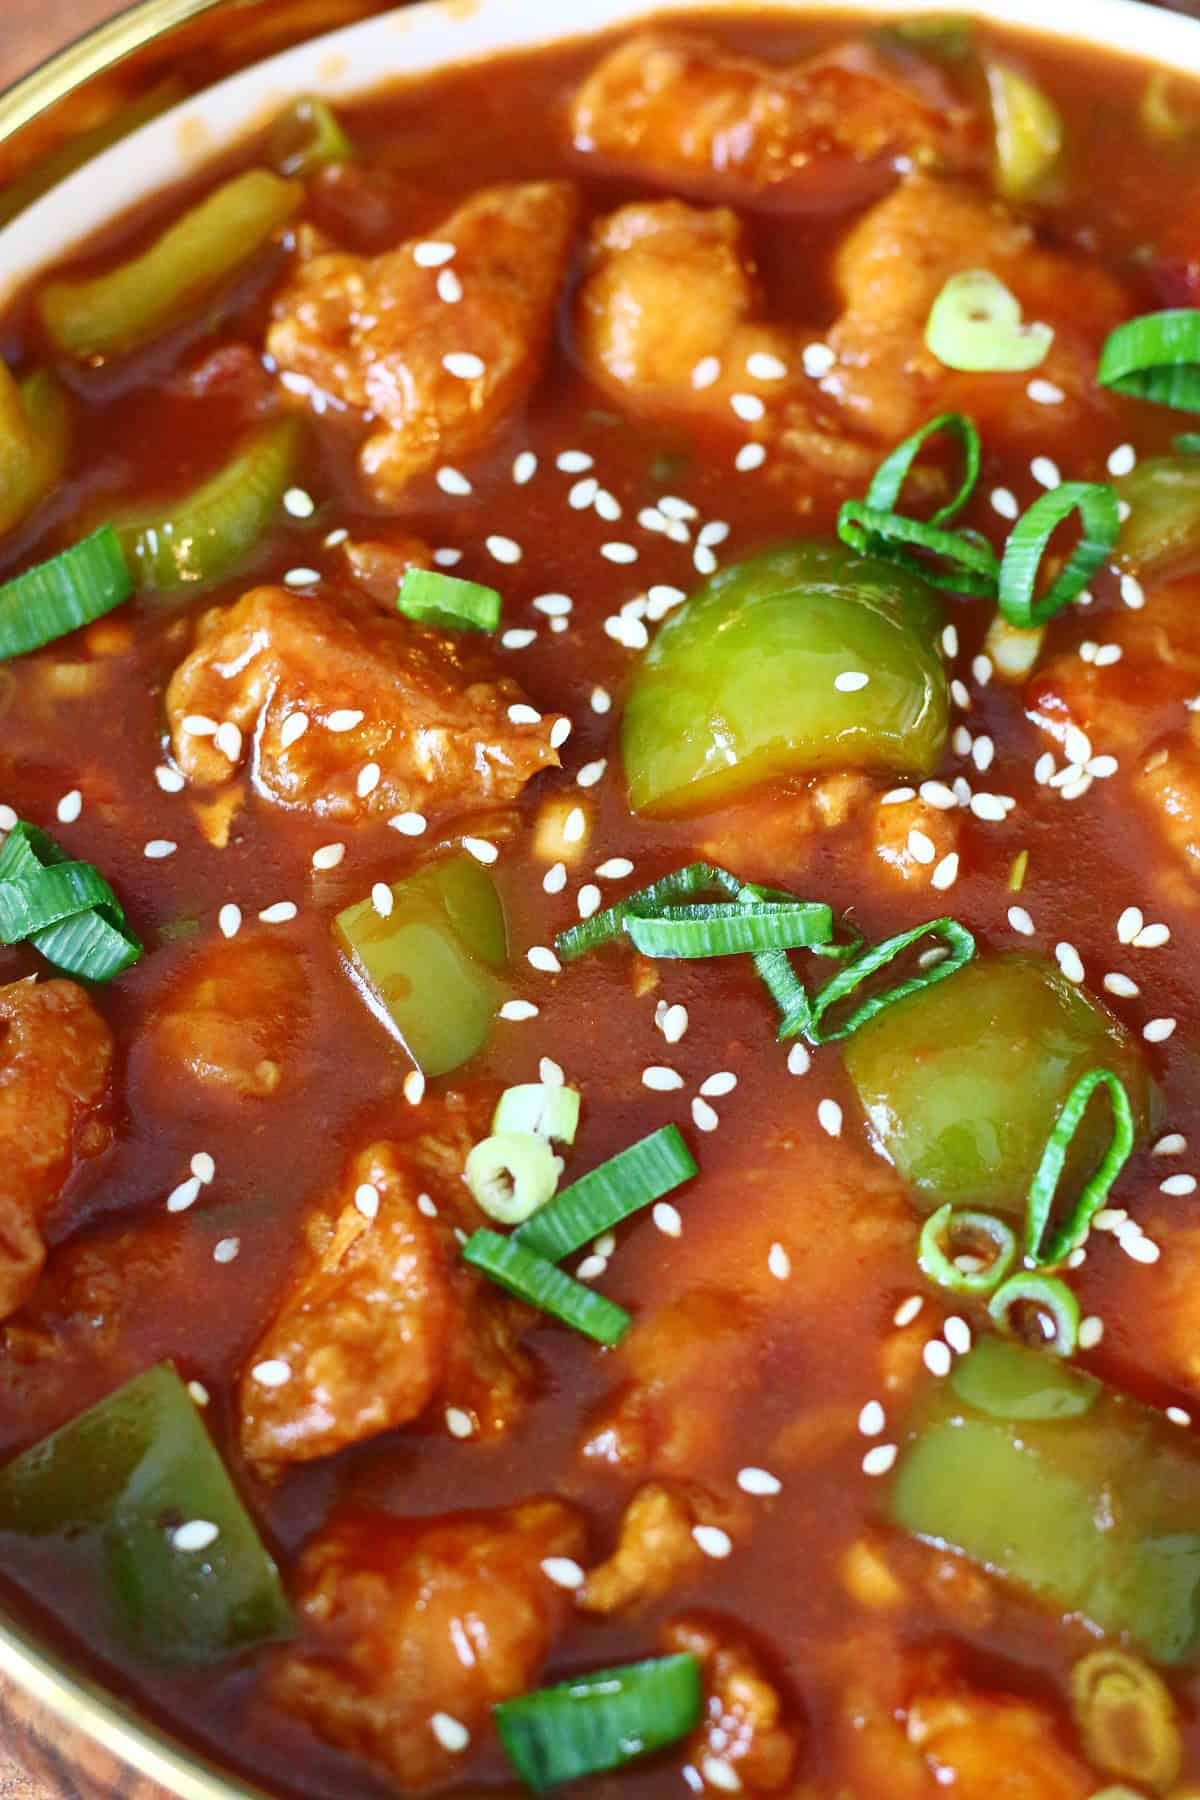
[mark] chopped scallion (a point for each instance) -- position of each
(513, 1266)
(608, 927)
(33, 901)
(601, 1199)
(972, 565)
(56, 597)
(601, 1720)
(1045, 1182)
(511, 1174)
(737, 928)
(1053, 1302)
(431, 598)
(1156, 357)
(847, 980)
(889, 478)
(1100, 517)
(976, 325)
(94, 942)
(949, 1239)
(553, 1112)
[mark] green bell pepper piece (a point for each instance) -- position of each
(1042, 1474)
(122, 1478)
(1029, 133)
(739, 685)
(35, 439)
(1161, 534)
(963, 1082)
(430, 969)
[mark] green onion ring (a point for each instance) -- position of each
(513, 1266)
(942, 1227)
(601, 1720)
(889, 478)
(33, 901)
(974, 566)
(1045, 1182)
(738, 928)
(1156, 357)
(962, 949)
(1054, 1300)
(430, 598)
(1100, 518)
(606, 1195)
(57, 597)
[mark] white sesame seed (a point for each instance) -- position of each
(521, 714)
(203, 1167)
(879, 1460)
(588, 900)
(1122, 986)
(1158, 1030)
(459, 1424)
(936, 1357)
(344, 718)
(1044, 393)
(1004, 502)
(198, 1393)
(706, 371)
(563, 1571)
(414, 1087)
(1178, 1416)
(591, 1268)
(1152, 937)
(366, 1199)
(817, 360)
(575, 825)
(759, 1482)
(650, 519)
(425, 1205)
(583, 493)
(480, 849)
(779, 1262)
(1172, 1144)
(328, 856)
(408, 824)
(463, 364)
(450, 1732)
(1069, 961)
(608, 507)
(907, 1310)
(1091, 1330)
(716, 1772)
(524, 467)
(946, 873)
(431, 253)
(229, 920)
(983, 752)
(504, 549)
(196, 725)
(601, 700)
(829, 1117)
(271, 1374)
(799, 1060)
(518, 637)
(719, 1084)
(662, 1079)
(1043, 768)
(226, 1249)
(616, 868)
(169, 780)
(292, 729)
(1102, 767)
(70, 807)
(747, 407)
(960, 694)
(573, 462)
(750, 457)
(453, 481)
(542, 958)
(1045, 471)
(667, 1219)
(704, 562)
(196, 1535)
(518, 1009)
(704, 1116)
(446, 556)
(185, 1195)
(560, 731)
(1178, 1184)
(1020, 920)
(1077, 745)
(897, 796)
(1123, 460)
(1132, 593)
(850, 681)
(555, 878)
(383, 899)
(1140, 1249)
(1108, 654)
(713, 1541)
(591, 772)
(920, 846)
(368, 779)
(159, 848)
(301, 577)
(872, 1419)
(449, 287)
(282, 913)
(618, 553)
(674, 1023)
(957, 1334)
(989, 807)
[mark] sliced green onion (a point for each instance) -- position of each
(1045, 1182)
(513, 1266)
(25, 850)
(844, 983)
(56, 597)
(431, 598)
(1187, 443)
(600, 1721)
(941, 1265)
(553, 1112)
(95, 944)
(730, 929)
(601, 1199)
(976, 324)
(1029, 132)
(608, 927)
(973, 566)
(511, 1174)
(1100, 518)
(1053, 1300)
(788, 992)
(1156, 357)
(892, 473)
(34, 901)
(308, 137)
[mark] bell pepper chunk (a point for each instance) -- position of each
(1161, 533)
(430, 969)
(1042, 1474)
(129, 1478)
(35, 436)
(760, 675)
(963, 1082)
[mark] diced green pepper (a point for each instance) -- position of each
(430, 969)
(1029, 133)
(124, 1478)
(113, 313)
(759, 675)
(35, 432)
(1161, 533)
(963, 1082)
(207, 534)
(1041, 1474)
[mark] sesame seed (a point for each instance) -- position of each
(368, 779)
(1158, 1030)
(292, 729)
(588, 900)
(1139, 1249)
(1102, 766)
(159, 848)
(1152, 937)
(713, 1541)
(298, 503)
(1173, 1144)
(480, 849)
(920, 846)
(344, 718)
(445, 556)
(1091, 1330)
(716, 1772)
(1043, 768)
(203, 1167)
(196, 725)
(936, 1357)
(957, 1334)
(560, 731)
(185, 1195)
(759, 1482)
(271, 1374)
(366, 1199)
(414, 1087)
(747, 407)
(383, 899)
(225, 1251)
(431, 253)
(563, 1571)
(518, 1009)
(829, 1117)
(1004, 502)
(521, 714)
(799, 1060)
(1132, 593)
(704, 1116)
(1069, 961)
(540, 957)
(706, 371)
(459, 1424)
(408, 824)
(666, 1218)
(450, 1732)
(1178, 1184)
(573, 462)
(1044, 393)
(524, 467)
(504, 549)
(990, 807)
(1108, 654)
(946, 873)
(1046, 471)
(817, 360)
(960, 693)
(872, 1419)
(1020, 920)
(879, 1460)
(897, 796)
(229, 920)
(518, 638)
(1178, 1416)
(449, 287)
(575, 825)
(583, 493)
(169, 780)
(615, 869)
(70, 807)
(591, 772)
(618, 553)
(650, 519)
(601, 701)
(779, 1262)
(555, 878)
(983, 752)
(716, 1086)
(198, 1393)
(453, 481)
(661, 598)
(607, 506)
(463, 364)
(674, 1023)
(850, 681)
(1077, 745)
(1121, 985)
(704, 562)
(282, 913)
(662, 1079)
(1123, 460)
(333, 538)
(328, 856)
(196, 1535)
(749, 457)
(301, 577)
(907, 1311)
(591, 1268)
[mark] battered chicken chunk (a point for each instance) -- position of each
(319, 693)
(235, 1018)
(374, 333)
(820, 134)
(656, 1550)
(745, 1739)
(404, 1619)
(381, 1315)
(55, 1062)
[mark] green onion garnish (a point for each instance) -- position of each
(307, 137)
(35, 900)
(512, 1265)
(600, 1721)
(844, 983)
(1045, 1182)
(511, 1174)
(1187, 443)
(1053, 1301)
(1099, 514)
(889, 478)
(431, 598)
(608, 927)
(939, 1259)
(973, 568)
(58, 596)
(730, 929)
(1156, 357)
(787, 991)
(94, 941)
(553, 1112)
(601, 1199)
(976, 325)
